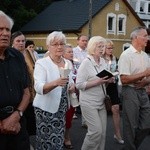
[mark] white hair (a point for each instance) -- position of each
(56, 35)
(2, 14)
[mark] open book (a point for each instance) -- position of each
(105, 73)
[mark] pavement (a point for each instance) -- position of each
(78, 133)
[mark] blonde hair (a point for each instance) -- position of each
(93, 42)
(108, 42)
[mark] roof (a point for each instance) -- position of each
(64, 15)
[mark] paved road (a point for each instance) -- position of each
(78, 134)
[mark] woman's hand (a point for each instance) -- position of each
(72, 88)
(103, 80)
(111, 80)
(62, 81)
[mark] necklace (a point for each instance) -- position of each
(57, 62)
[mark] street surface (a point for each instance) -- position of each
(78, 134)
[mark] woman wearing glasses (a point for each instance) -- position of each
(51, 94)
(112, 89)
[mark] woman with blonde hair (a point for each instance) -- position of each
(112, 89)
(92, 95)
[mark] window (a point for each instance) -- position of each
(121, 24)
(148, 8)
(142, 7)
(117, 7)
(111, 23)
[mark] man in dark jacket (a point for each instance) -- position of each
(14, 91)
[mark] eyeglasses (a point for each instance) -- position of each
(110, 47)
(58, 44)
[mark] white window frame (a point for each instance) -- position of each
(142, 3)
(123, 18)
(113, 16)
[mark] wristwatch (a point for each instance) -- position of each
(19, 112)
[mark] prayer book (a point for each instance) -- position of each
(107, 73)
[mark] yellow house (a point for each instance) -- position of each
(112, 19)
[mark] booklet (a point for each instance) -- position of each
(105, 73)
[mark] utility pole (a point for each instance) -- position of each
(90, 18)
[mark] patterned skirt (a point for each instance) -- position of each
(50, 127)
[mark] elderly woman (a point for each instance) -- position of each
(92, 94)
(51, 94)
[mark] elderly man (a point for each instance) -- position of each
(14, 91)
(134, 68)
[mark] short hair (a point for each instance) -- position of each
(136, 30)
(78, 38)
(68, 45)
(14, 35)
(55, 35)
(92, 43)
(11, 21)
(29, 42)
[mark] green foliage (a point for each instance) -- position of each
(22, 11)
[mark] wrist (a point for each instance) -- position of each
(19, 112)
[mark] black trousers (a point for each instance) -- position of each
(19, 141)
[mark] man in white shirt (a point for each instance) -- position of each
(134, 68)
(79, 54)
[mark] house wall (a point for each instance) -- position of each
(99, 27)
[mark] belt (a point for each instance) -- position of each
(7, 109)
(6, 112)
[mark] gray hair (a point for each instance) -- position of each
(136, 31)
(2, 14)
(56, 35)
(93, 42)
(68, 45)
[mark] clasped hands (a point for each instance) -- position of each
(10, 125)
(145, 81)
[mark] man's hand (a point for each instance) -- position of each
(141, 84)
(11, 125)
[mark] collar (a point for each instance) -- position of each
(93, 61)
(80, 49)
(8, 53)
(134, 50)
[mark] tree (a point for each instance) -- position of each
(22, 11)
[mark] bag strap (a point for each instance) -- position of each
(97, 72)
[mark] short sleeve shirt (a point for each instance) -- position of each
(13, 78)
(132, 62)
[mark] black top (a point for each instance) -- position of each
(13, 78)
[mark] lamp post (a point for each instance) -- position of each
(90, 18)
